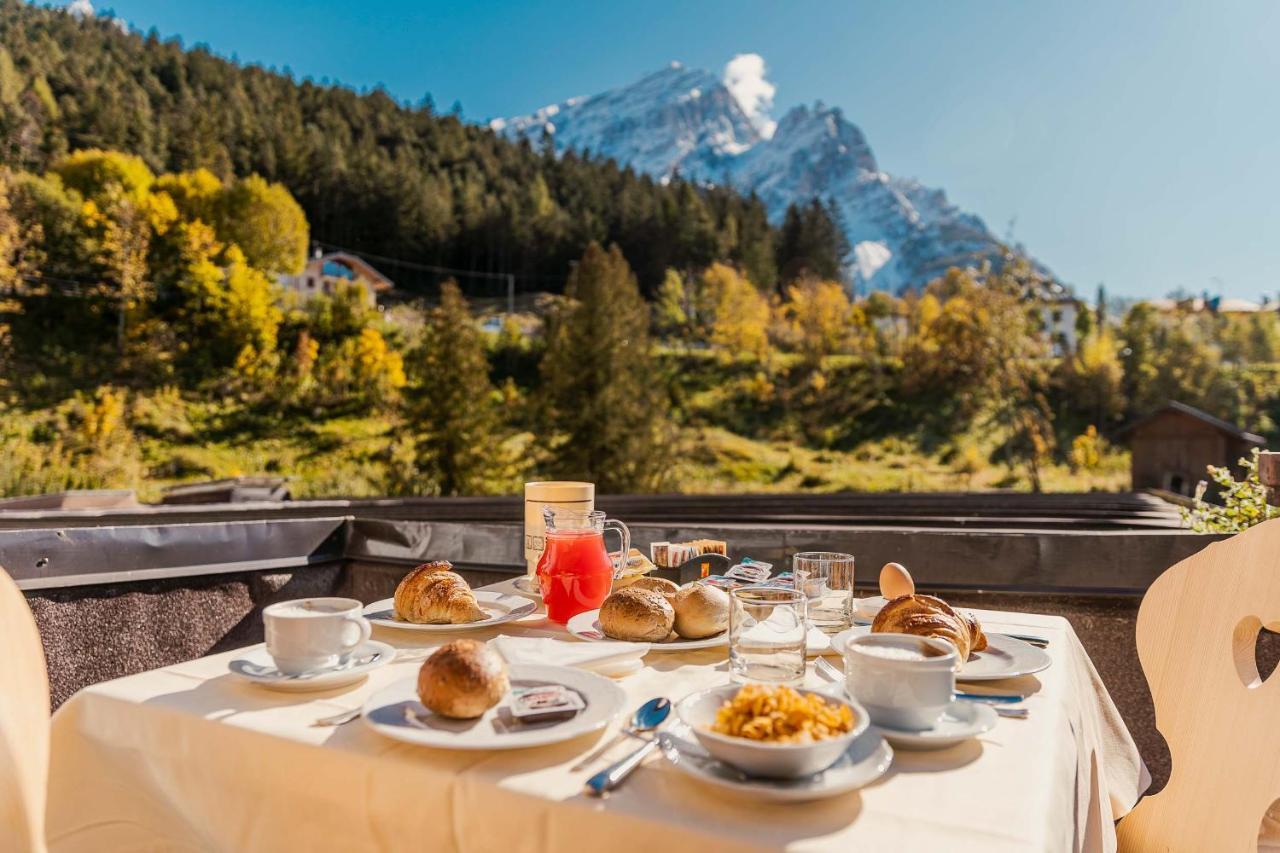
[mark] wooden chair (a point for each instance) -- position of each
(24, 724)
(1197, 632)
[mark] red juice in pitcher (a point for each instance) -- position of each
(575, 573)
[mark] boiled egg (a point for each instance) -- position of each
(896, 581)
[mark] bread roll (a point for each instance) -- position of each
(462, 680)
(640, 615)
(701, 611)
(433, 594)
(661, 585)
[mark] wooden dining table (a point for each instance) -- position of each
(189, 757)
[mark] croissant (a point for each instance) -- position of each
(926, 616)
(433, 594)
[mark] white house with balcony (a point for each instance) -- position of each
(326, 272)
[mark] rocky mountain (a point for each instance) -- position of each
(688, 121)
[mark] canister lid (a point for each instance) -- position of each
(560, 491)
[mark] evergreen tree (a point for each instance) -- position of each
(811, 243)
(600, 387)
(453, 406)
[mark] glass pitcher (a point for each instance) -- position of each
(575, 572)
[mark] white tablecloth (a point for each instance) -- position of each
(189, 758)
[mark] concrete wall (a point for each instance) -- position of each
(96, 633)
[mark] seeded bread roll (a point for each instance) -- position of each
(462, 680)
(661, 585)
(701, 611)
(639, 615)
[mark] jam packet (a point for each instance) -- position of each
(545, 703)
(750, 571)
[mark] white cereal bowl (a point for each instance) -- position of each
(755, 758)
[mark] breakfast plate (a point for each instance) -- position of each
(586, 626)
(396, 713)
(959, 722)
(257, 667)
(866, 760)
(498, 605)
(1004, 657)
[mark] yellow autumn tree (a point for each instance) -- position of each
(818, 319)
(741, 324)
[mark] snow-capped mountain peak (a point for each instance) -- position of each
(719, 130)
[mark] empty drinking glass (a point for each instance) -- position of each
(826, 578)
(766, 635)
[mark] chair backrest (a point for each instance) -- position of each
(24, 724)
(1197, 632)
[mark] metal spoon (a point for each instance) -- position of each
(647, 717)
(644, 712)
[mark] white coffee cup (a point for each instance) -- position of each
(309, 634)
(904, 681)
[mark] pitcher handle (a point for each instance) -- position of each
(625, 535)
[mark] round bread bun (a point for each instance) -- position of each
(701, 611)
(639, 615)
(462, 680)
(661, 585)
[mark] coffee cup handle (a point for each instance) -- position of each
(365, 629)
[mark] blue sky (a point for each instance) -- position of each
(1136, 144)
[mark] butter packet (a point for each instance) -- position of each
(545, 703)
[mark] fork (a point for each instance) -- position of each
(339, 719)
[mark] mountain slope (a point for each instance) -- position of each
(686, 122)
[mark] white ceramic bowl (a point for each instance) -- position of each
(772, 760)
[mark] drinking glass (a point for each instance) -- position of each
(826, 578)
(766, 635)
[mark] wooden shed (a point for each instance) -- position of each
(1172, 447)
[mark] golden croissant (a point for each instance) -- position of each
(433, 594)
(926, 616)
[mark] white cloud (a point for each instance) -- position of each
(745, 80)
(81, 8)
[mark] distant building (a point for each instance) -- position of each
(1172, 447)
(325, 272)
(1058, 310)
(1211, 304)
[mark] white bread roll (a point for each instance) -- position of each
(701, 611)
(638, 615)
(462, 679)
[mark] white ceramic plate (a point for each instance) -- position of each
(586, 626)
(500, 607)
(396, 712)
(258, 667)
(1004, 657)
(867, 608)
(866, 760)
(961, 721)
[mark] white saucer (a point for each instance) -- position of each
(866, 760)
(396, 713)
(258, 667)
(498, 607)
(586, 626)
(528, 585)
(961, 721)
(1004, 657)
